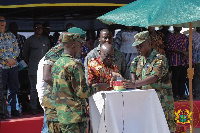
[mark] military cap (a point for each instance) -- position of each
(77, 30)
(140, 38)
(69, 37)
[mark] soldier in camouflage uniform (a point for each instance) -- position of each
(149, 70)
(69, 86)
(48, 100)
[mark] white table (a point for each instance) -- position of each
(135, 111)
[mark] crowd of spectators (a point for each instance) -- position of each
(19, 84)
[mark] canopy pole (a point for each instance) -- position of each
(190, 76)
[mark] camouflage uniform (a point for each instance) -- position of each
(156, 64)
(48, 100)
(70, 91)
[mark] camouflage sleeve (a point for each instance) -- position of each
(160, 67)
(54, 54)
(79, 83)
(133, 66)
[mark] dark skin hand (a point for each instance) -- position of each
(114, 76)
(138, 83)
(11, 62)
(101, 86)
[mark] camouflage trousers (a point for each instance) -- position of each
(74, 128)
(49, 104)
(53, 127)
(167, 103)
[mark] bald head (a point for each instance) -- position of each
(106, 47)
(106, 54)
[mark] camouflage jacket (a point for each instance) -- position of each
(70, 90)
(156, 64)
(48, 100)
(54, 54)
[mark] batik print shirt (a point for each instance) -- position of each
(119, 60)
(8, 49)
(98, 72)
(196, 46)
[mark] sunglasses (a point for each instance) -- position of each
(2, 20)
(38, 27)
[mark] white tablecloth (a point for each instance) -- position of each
(135, 111)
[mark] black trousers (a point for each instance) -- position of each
(3, 107)
(179, 77)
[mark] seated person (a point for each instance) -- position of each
(100, 69)
(149, 70)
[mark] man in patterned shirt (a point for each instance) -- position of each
(9, 51)
(119, 60)
(69, 86)
(100, 69)
(150, 71)
(177, 48)
(196, 56)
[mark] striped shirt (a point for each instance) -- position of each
(177, 42)
(196, 46)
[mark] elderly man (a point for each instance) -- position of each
(150, 71)
(100, 69)
(119, 59)
(69, 86)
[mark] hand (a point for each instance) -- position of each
(128, 84)
(186, 54)
(101, 86)
(11, 62)
(114, 76)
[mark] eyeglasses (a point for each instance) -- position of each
(2, 20)
(109, 56)
(38, 28)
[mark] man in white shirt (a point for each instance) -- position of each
(41, 87)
